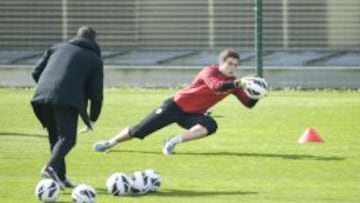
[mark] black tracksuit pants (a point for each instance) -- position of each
(61, 124)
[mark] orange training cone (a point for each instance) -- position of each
(310, 135)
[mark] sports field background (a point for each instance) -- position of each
(253, 157)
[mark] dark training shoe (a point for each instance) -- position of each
(68, 184)
(49, 172)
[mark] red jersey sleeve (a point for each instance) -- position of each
(211, 78)
(243, 98)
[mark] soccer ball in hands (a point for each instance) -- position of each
(83, 194)
(256, 88)
(47, 190)
(119, 184)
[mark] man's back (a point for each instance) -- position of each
(71, 73)
(64, 78)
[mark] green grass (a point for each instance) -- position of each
(253, 157)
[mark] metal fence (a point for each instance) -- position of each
(182, 24)
(307, 43)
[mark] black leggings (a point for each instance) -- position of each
(169, 112)
(61, 124)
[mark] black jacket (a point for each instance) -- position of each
(69, 74)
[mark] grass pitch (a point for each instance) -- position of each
(253, 157)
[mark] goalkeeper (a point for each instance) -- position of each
(188, 106)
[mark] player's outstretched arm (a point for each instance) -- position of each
(244, 99)
(250, 90)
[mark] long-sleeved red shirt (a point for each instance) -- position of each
(206, 90)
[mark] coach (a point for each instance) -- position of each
(67, 76)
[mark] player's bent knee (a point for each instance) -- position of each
(141, 137)
(137, 133)
(67, 143)
(211, 126)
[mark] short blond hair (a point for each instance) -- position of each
(228, 53)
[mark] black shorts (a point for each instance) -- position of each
(169, 112)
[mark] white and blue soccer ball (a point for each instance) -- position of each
(47, 190)
(154, 178)
(256, 88)
(141, 183)
(119, 184)
(83, 194)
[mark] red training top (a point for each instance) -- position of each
(205, 91)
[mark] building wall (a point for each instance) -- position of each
(343, 24)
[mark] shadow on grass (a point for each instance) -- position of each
(193, 193)
(183, 193)
(177, 193)
(256, 155)
(99, 191)
(269, 155)
(15, 134)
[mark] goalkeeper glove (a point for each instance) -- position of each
(240, 83)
